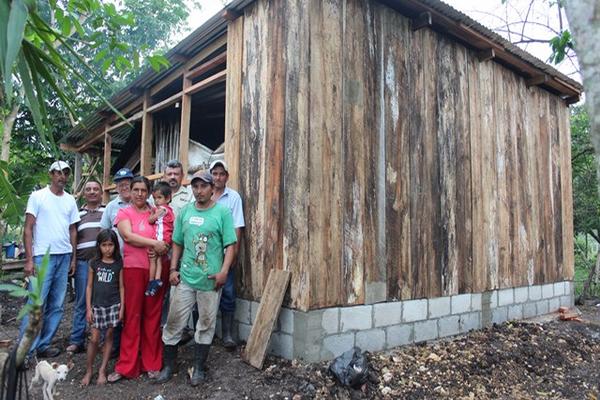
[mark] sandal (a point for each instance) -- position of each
(153, 374)
(74, 348)
(114, 377)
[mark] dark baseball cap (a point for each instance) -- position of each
(123, 173)
(203, 175)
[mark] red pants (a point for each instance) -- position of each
(141, 344)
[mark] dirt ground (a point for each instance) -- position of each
(519, 360)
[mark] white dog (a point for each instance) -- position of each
(50, 374)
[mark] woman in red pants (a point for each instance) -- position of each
(141, 344)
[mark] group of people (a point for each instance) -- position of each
(161, 252)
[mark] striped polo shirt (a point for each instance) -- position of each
(87, 231)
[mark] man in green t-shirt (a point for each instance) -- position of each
(202, 240)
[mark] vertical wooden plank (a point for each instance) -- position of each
(489, 182)
(420, 208)
(184, 127)
(396, 61)
(501, 132)
(555, 188)
(543, 162)
(447, 107)
(233, 99)
(77, 172)
(463, 187)
(106, 165)
(296, 241)
(147, 137)
(566, 192)
(476, 115)
(252, 168)
(326, 166)
(275, 120)
(535, 274)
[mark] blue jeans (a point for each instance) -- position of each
(227, 304)
(79, 309)
(54, 289)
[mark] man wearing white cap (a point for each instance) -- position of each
(50, 224)
(232, 200)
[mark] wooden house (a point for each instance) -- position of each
(410, 167)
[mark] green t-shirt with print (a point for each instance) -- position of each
(203, 234)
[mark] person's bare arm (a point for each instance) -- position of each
(173, 270)
(236, 245)
(124, 227)
(29, 268)
(221, 277)
(73, 239)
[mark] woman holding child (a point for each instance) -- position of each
(141, 344)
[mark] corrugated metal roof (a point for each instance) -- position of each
(217, 25)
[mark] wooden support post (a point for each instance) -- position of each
(537, 80)
(486, 54)
(106, 166)
(147, 137)
(233, 100)
(77, 172)
(422, 21)
(184, 126)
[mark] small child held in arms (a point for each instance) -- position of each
(104, 300)
(163, 219)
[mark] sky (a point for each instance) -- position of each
(490, 13)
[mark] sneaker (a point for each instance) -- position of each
(48, 352)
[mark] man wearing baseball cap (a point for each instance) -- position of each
(203, 240)
(232, 200)
(50, 225)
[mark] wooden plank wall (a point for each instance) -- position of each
(374, 156)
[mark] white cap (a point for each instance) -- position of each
(218, 162)
(59, 166)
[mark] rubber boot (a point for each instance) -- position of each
(226, 326)
(169, 362)
(200, 356)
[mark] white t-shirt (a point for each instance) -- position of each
(53, 216)
(232, 200)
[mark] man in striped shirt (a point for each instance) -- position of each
(87, 230)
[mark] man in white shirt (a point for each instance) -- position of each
(50, 225)
(232, 200)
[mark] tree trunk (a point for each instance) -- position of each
(9, 122)
(584, 21)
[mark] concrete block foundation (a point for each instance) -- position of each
(325, 334)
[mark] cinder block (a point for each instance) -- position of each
(469, 321)
(461, 303)
(499, 315)
(371, 340)
(399, 335)
(566, 301)
(559, 289)
(244, 331)
(242, 311)
(529, 310)
(535, 292)
(439, 307)
(448, 326)
(547, 291)
(476, 301)
(553, 304)
(542, 307)
(335, 345)
(253, 311)
(286, 321)
(426, 330)
(515, 312)
(385, 314)
(494, 299)
(489, 299)
(414, 310)
(281, 345)
(331, 320)
(569, 288)
(356, 318)
(521, 294)
(505, 297)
